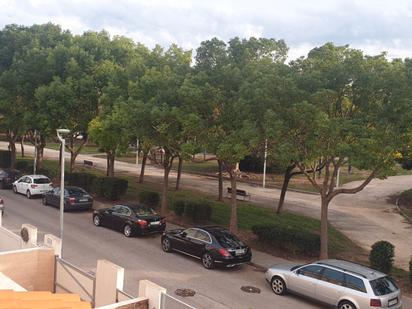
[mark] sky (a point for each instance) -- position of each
(374, 26)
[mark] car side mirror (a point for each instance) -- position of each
(298, 272)
(183, 234)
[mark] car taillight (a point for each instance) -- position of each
(141, 222)
(72, 200)
(224, 252)
(375, 303)
(34, 186)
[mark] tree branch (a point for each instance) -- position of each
(308, 176)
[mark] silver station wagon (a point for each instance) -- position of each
(338, 283)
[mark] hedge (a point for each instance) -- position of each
(82, 180)
(197, 211)
(288, 238)
(111, 188)
(149, 198)
(5, 158)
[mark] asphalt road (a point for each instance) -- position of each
(143, 258)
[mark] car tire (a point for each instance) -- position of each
(44, 201)
(127, 230)
(278, 286)
(207, 261)
(96, 220)
(166, 245)
(346, 305)
(28, 194)
(15, 189)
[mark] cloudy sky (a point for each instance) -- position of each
(371, 25)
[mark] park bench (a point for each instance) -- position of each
(87, 162)
(241, 194)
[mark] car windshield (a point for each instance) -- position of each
(144, 211)
(76, 191)
(383, 286)
(226, 239)
(42, 180)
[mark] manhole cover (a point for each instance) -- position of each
(185, 292)
(250, 289)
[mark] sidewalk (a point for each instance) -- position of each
(365, 217)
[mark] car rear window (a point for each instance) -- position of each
(383, 286)
(144, 211)
(76, 191)
(42, 180)
(227, 239)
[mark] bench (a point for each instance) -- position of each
(239, 194)
(87, 162)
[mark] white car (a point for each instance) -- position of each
(30, 185)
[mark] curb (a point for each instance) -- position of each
(402, 212)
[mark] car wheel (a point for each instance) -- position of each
(96, 220)
(207, 261)
(127, 230)
(44, 201)
(28, 194)
(346, 305)
(166, 245)
(278, 286)
(15, 189)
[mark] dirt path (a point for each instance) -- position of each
(365, 217)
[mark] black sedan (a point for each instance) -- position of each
(75, 198)
(213, 245)
(7, 177)
(130, 219)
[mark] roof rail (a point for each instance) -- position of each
(344, 269)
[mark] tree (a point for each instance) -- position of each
(356, 112)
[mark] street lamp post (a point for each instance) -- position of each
(264, 163)
(60, 136)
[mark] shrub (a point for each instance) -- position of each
(5, 158)
(288, 238)
(197, 211)
(179, 207)
(49, 172)
(149, 198)
(111, 188)
(22, 165)
(410, 270)
(382, 255)
(82, 180)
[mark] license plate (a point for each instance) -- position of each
(155, 223)
(240, 251)
(392, 302)
(83, 200)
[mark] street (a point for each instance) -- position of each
(143, 258)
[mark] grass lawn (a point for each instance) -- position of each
(88, 149)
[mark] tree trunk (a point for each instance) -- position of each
(39, 152)
(167, 165)
(110, 164)
(22, 146)
(233, 203)
(179, 172)
(12, 137)
(324, 227)
(220, 164)
(286, 179)
(141, 176)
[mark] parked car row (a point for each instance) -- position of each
(338, 283)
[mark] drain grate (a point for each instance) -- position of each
(185, 292)
(250, 289)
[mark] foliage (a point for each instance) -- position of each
(5, 158)
(149, 198)
(196, 211)
(291, 239)
(111, 188)
(82, 180)
(382, 256)
(22, 165)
